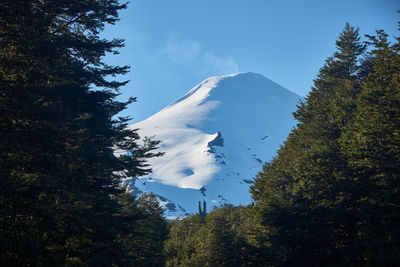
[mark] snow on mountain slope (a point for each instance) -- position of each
(215, 138)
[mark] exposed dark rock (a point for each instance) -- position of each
(170, 206)
(162, 198)
(181, 208)
(203, 190)
(258, 159)
(218, 140)
(211, 150)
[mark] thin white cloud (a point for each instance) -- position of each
(220, 64)
(188, 55)
(181, 51)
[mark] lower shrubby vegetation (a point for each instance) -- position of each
(220, 239)
(331, 196)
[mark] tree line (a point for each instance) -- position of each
(331, 196)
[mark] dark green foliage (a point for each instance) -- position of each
(223, 238)
(330, 197)
(145, 231)
(217, 246)
(59, 180)
(179, 247)
(372, 145)
(300, 194)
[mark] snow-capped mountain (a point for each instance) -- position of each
(215, 138)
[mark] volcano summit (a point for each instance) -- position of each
(215, 138)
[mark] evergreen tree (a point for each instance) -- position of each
(180, 245)
(372, 146)
(153, 230)
(300, 195)
(223, 238)
(59, 179)
(145, 231)
(216, 245)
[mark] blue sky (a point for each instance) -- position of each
(172, 45)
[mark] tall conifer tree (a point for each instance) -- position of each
(299, 194)
(59, 177)
(372, 145)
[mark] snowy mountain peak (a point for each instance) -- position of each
(215, 139)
